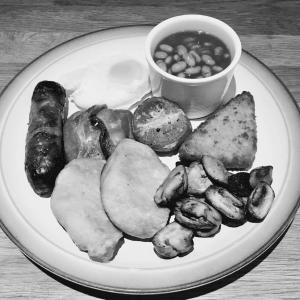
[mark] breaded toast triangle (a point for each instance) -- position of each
(229, 134)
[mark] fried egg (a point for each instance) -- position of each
(117, 81)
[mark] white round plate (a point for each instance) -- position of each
(28, 220)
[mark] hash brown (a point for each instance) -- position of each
(229, 135)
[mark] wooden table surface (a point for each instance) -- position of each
(270, 30)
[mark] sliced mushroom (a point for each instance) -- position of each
(215, 169)
(207, 233)
(227, 204)
(173, 186)
(260, 201)
(239, 184)
(196, 214)
(173, 240)
(244, 200)
(261, 174)
(198, 181)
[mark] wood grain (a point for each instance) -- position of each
(269, 29)
(251, 17)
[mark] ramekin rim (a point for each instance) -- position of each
(232, 65)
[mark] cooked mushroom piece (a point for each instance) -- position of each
(244, 200)
(215, 169)
(173, 240)
(226, 203)
(196, 214)
(207, 233)
(261, 174)
(239, 184)
(260, 201)
(173, 186)
(197, 179)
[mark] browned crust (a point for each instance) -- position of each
(229, 134)
(170, 130)
(44, 154)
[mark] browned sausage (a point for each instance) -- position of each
(44, 154)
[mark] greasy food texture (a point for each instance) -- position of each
(76, 204)
(173, 240)
(192, 54)
(129, 181)
(116, 124)
(174, 186)
(81, 134)
(44, 154)
(196, 214)
(229, 135)
(160, 124)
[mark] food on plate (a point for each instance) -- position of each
(44, 154)
(198, 180)
(261, 174)
(231, 198)
(133, 194)
(172, 187)
(173, 240)
(81, 134)
(239, 184)
(116, 125)
(230, 206)
(192, 54)
(229, 134)
(215, 169)
(129, 181)
(260, 201)
(76, 204)
(202, 205)
(182, 180)
(95, 132)
(115, 79)
(196, 214)
(160, 124)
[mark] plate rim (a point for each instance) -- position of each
(182, 287)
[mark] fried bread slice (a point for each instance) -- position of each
(229, 134)
(129, 181)
(76, 204)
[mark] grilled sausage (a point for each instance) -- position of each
(44, 155)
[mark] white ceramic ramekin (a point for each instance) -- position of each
(197, 97)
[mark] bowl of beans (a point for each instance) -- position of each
(191, 60)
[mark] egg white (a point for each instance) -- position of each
(117, 81)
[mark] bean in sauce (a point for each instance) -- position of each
(192, 54)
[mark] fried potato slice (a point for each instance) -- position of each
(76, 204)
(229, 134)
(129, 181)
